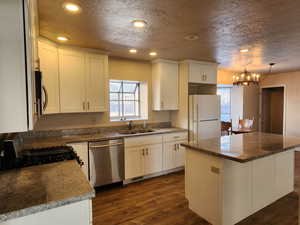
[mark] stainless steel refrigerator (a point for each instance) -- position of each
(204, 117)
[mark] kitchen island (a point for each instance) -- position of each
(231, 177)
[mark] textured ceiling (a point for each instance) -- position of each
(270, 29)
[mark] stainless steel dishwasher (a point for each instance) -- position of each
(106, 162)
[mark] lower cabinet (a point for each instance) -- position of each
(174, 155)
(143, 160)
(145, 155)
(81, 149)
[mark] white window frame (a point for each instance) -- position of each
(121, 101)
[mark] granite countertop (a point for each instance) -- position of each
(63, 140)
(33, 189)
(245, 147)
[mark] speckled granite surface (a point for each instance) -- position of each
(40, 142)
(245, 147)
(34, 189)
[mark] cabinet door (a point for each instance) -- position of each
(169, 86)
(203, 73)
(49, 66)
(13, 102)
(169, 155)
(72, 81)
(134, 162)
(81, 150)
(180, 155)
(153, 162)
(96, 83)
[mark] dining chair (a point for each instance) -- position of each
(226, 127)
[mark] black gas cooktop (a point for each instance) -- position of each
(31, 157)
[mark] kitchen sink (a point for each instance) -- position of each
(136, 131)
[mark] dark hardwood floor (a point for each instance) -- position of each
(161, 201)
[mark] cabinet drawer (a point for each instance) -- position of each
(143, 140)
(177, 136)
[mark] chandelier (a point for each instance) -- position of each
(246, 79)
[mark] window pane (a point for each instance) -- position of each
(129, 87)
(114, 96)
(129, 109)
(225, 94)
(128, 96)
(114, 109)
(114, 86)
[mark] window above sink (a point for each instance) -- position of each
(126, 100)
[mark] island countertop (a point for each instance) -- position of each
(245, 147)
(37, 188)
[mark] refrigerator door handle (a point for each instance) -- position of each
(208, 120)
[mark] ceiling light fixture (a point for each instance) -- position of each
(61, 38)
(244, 50)
(246, 79)
(153, 54)
(133, 50)
(191, 37)
(71, 7)
(139, 23)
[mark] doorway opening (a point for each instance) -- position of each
(272, 110)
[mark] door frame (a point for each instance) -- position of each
(284, 104)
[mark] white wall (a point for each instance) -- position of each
(291, 81)
(120, 69)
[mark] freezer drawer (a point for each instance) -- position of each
(206, 129)
(106, 162)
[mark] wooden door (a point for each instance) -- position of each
(72, 81)
(97, 83)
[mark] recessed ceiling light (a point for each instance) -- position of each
(71, 7)
(62, 38)
(133, 50)
(153, 54)
(191, 37)
(139, 23)
(244, 50)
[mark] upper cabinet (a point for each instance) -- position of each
(165, 85)
(202, 72)
(75, 80)
(48, 54)
(17, 111)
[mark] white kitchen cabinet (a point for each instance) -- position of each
(81, 149)
(96, 83)
(17, 112)
(72, 74)
(174, 153)
(165, 85)
(78, 213)
(134, 162)
(48, 54)
(153, 159)
(75, 80)
(143, 155)
(202, 72)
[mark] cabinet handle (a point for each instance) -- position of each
(175, 147)
(88, 105)
(147, 153)
(83, 105)
(162, 104)
(143, 152)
